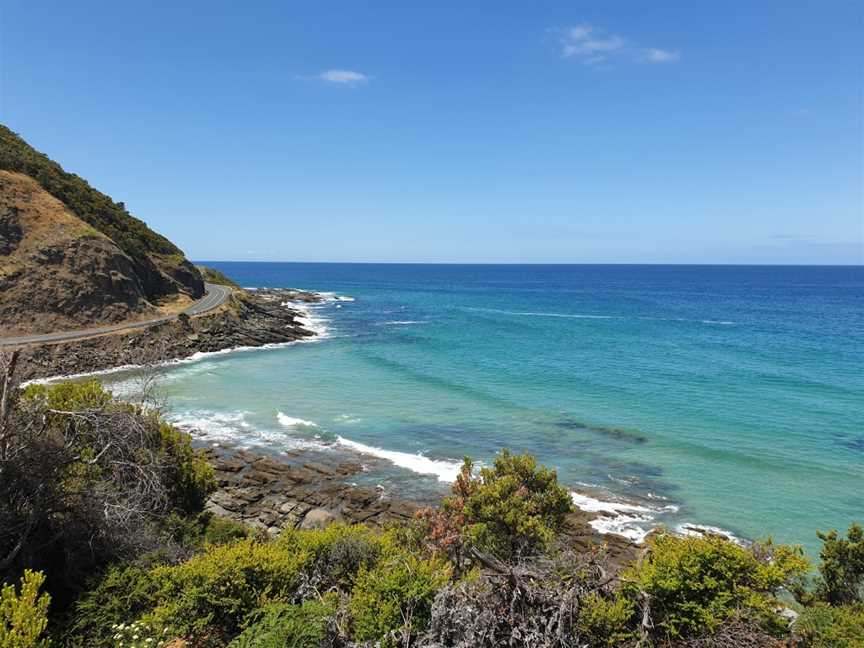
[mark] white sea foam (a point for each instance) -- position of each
(446, 471)
(290, 421)
(401, 322)
(235, 429)
(633, 521)
(346, 418)
(687, 529)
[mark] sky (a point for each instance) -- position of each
(511, 132)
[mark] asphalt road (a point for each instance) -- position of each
(215, 296)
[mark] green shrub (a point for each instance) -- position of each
(24, 614)
(220, 530)
(122, 594)
(824, 626)
(513, 508)
(396, 595)
(604, 621)
(694, 584)
(190, 477)
(842, 567)
(279, 625)
(216, 590)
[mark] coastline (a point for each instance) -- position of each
(270, 318)
(271, 491)
(253, 319)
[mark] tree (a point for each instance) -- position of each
(842, 567)
(513, 508)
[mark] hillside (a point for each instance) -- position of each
(70, 256)
(159, 265)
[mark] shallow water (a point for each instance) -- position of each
(731, 397)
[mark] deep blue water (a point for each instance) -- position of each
(724, 396)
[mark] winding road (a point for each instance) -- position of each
(215, 296)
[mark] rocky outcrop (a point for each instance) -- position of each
(57, 272)
(292, 490)
(288, 492)
(251, 319)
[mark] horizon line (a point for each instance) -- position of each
(534, 263)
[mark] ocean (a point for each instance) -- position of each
(727, 397)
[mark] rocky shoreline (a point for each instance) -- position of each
(273, 491)
(295, 490)
(251, 319)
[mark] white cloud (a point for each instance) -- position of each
(654, 55)
(592, 46)
(343, 77)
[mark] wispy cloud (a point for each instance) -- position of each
(655, 55)
(343, 77)
(593, 46)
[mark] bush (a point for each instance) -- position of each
(512, 509)
(604, 621)
(558, 601)
(842, 567)
(24, 614)
(824, 626)
(86, 480)
(216, 590)
(279, 625)
(336, 554)
(122, 594)
(693, 584)
(395, 597)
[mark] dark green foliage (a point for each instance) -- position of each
(842, 567)
(280, 625)
(513, 508)
(692, 585)
(95, 208)
(825, 626)
(124, 592)
(86, 480)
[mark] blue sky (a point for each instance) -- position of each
(676, 132)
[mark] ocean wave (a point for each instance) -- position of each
(233, 428)
(290, 421)
(633, 521)
(401, 322)
(445, 471)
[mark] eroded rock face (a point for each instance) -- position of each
(57, 272)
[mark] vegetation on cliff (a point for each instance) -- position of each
(159, 264)
(214, 276)
(105, 499)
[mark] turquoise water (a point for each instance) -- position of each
(730, 397)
